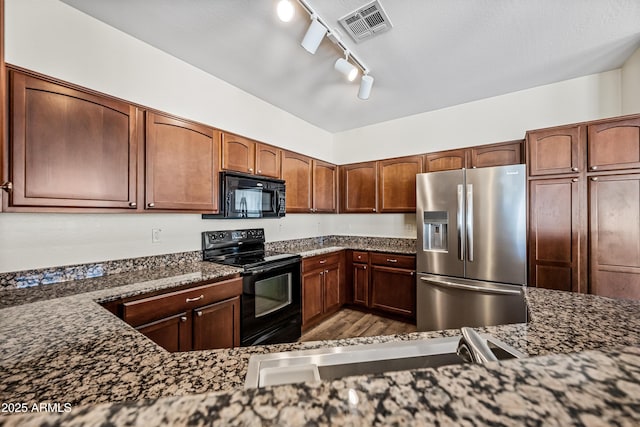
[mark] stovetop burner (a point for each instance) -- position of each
(240, 248)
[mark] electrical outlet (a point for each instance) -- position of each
(155, 235)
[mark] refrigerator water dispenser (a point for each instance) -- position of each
(435, 231)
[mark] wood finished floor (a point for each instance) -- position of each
(348, 323)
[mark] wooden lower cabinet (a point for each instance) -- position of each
(172, 333)
(393, 290)
(322, 287)
(197, 318)
(384, 282)
(614, 231)
(217, 325)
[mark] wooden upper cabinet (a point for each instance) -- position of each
(614, 235)
(267, 160)
(446, 160)
(397, 183)
(70, 148)
(238, 153)
(555, 151)
(508, 153)
(358, 183)
(297, 174)
(557, 236)
(614, 145)
(181, 171)
(325, 180)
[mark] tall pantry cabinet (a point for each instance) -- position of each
(584, 207)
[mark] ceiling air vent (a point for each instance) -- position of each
(366, 21)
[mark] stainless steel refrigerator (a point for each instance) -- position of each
(471, 247)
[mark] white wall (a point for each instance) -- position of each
(52, 38)
(486, 121)
(631, 84)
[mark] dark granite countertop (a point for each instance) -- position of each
(584, 368)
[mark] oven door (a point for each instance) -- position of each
(271, 304)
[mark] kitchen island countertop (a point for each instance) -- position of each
(584, 369)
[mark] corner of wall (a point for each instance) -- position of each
(630, 84)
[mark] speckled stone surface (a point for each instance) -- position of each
(584, 367)
(322, 245)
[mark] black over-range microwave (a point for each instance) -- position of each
(250, 196)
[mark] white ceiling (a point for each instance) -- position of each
(439, 53)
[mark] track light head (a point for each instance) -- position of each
(285, 10)
(313, 37)
(366, 83)
(346, 68)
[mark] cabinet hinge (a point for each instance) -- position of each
(7, 186)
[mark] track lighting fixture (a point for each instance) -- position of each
(318, 29)
(366, 83)
(313, 37)
(345, 67)
(285, 10)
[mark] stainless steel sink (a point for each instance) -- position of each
(337, 362)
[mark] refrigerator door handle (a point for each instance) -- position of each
(446, 284)
(459, 220)
(470, 222)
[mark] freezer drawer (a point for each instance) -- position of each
(451, 303)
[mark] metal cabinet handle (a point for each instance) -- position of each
(7, 186)
(133, 204)
(326, 271)
(183, 318)
(250, 169)
(364, 268)
(594, 178)
(574, 169)
(199, 313)
(574, 180)
(392, 260)
(195, 299)
(593, 168)
(259, 171)
(323, 261)
(374, 209)
(151, 205)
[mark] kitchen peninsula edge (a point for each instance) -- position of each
(585, 365)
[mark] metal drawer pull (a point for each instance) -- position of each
(392, 260)
(195, 299)
(323, 261)
(183, 318)
(199, 313)
(470, 287)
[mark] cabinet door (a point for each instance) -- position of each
(296, 171)
(397, 183)
(325, 184)
(171, 333)
(615, 235)
(359, 187)
(555, 235)
(614, 145)
(217, 325)
(70, 148)
(331, 278)
(267, 160)
(311, 295)
(181, 165)
(238, 153)
(446, 160)
(555, 151)
(360, 284)
(497, 155)
(393, 290)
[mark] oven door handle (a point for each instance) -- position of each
(272, 267)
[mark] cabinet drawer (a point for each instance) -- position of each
(393, 260)
(359, 256)
(319, 261)
(156, 307)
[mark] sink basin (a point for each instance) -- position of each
(337, 362)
